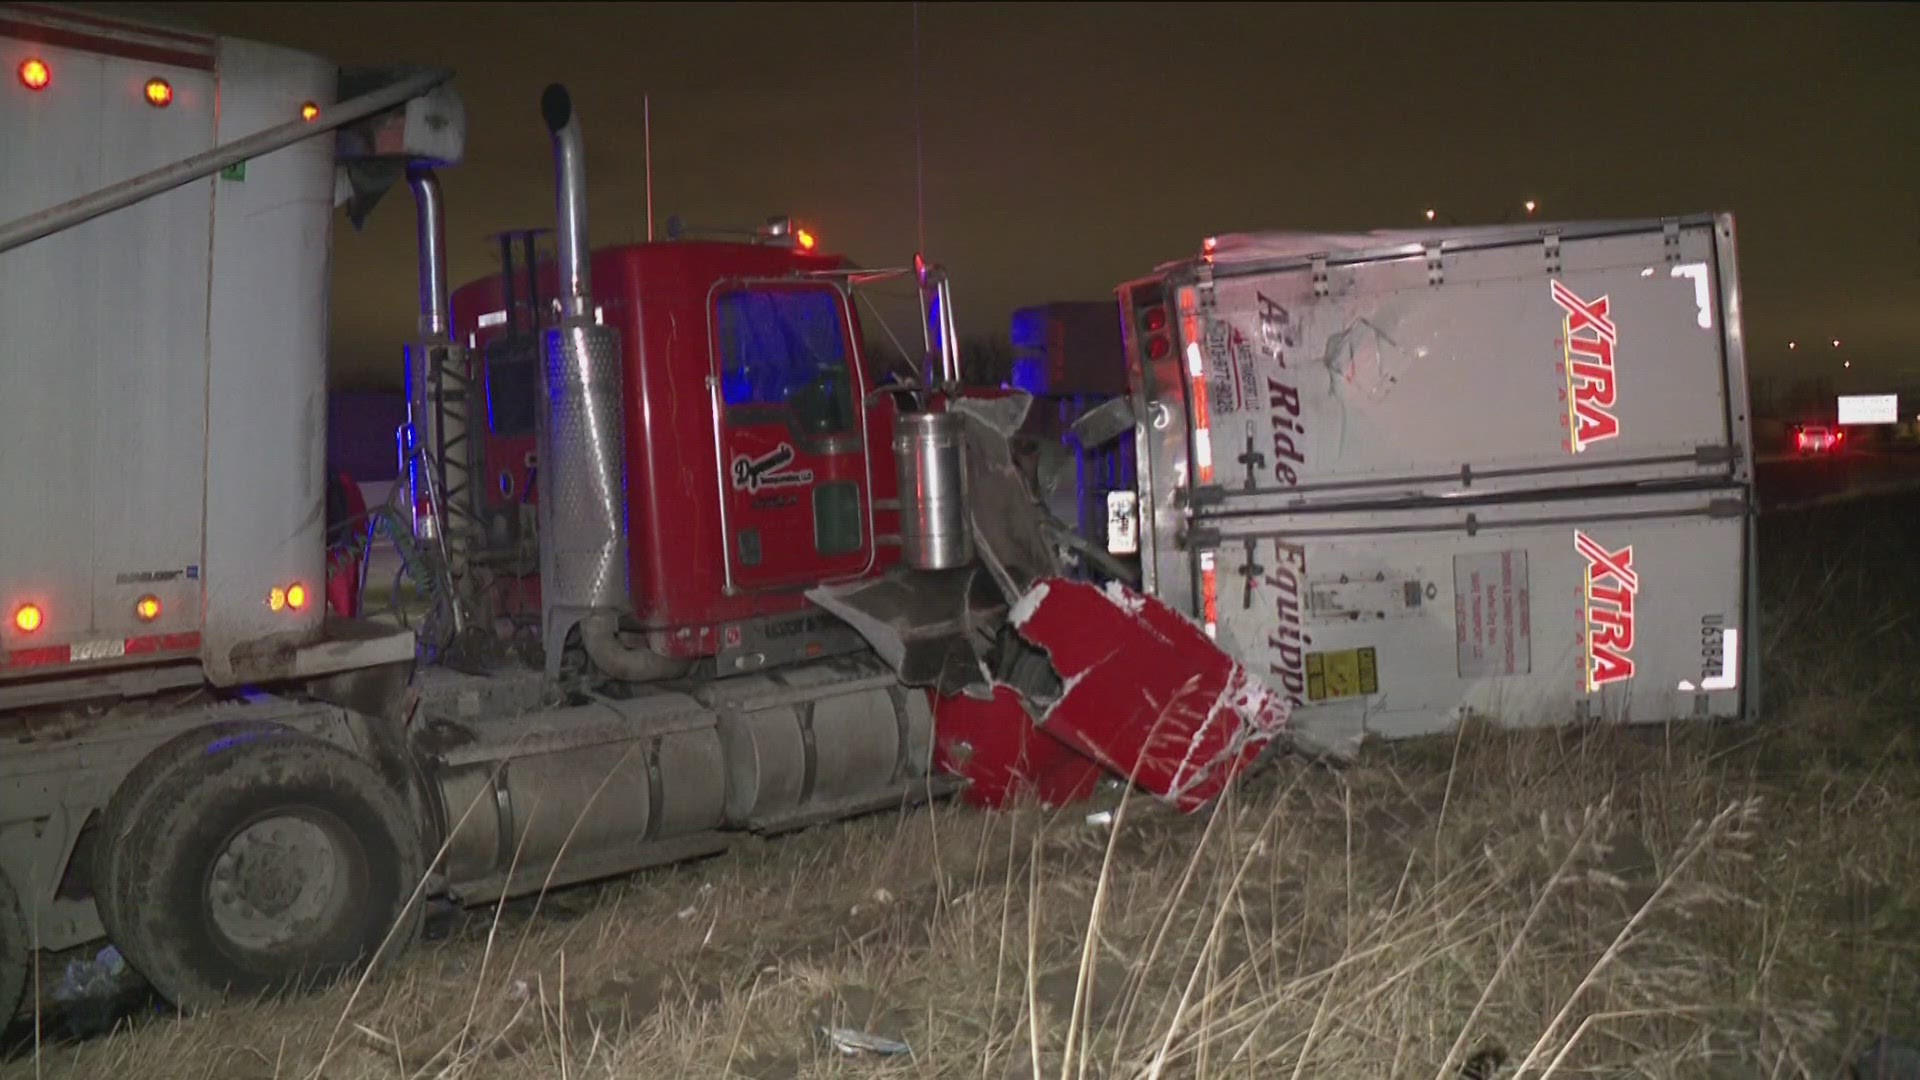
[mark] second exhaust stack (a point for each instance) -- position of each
(582, 439)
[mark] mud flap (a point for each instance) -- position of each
(1146, 693)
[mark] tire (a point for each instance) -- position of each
(265, 864)
(112, 884)
(16, 957)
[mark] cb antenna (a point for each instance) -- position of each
(646, 114)
(919, 166)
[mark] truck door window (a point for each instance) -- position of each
(784, 358)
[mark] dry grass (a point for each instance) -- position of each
(1738, 902)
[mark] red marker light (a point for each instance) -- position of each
(309, 112)
(1158, 348)
(806, 240)
(35, 74)
(159, 93)
(27, 618)
(1155, 319)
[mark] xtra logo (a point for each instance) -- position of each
(1587, 340)
(769, 470)
(1611, 586)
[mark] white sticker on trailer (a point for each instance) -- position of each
(83, 651)
(1492, 614)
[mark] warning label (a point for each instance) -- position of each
(1493, 625)
(1343, 674)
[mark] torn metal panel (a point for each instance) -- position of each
(1011, 528)
(1104, 423)
(1146, 692)
(994, 745)
(931, 627)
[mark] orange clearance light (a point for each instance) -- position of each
(806, 240)
(27, 618)
(159, 93)
(35, 74)
(277, 599)
(147, 608)
(309, 111)
(296, 596)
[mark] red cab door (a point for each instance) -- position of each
(796, 477)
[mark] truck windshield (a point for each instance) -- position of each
(784, 357)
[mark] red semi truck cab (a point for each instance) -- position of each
(755, 465)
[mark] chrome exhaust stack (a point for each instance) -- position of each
(582, 442)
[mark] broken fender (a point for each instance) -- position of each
(995, 746)
(1146, 692)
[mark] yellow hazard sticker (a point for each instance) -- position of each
(1343, 674)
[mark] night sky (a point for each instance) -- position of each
(1070, 147)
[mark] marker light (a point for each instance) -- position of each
(35, 74)
(159, 93)
(806, 240)
(1155, 319)
(296, 596)
(1158, 348)
(147, 608)
(277, 599)
(309, 111)
(27, 618)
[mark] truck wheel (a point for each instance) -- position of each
(274, 863)
(111, 882)
(16, 959)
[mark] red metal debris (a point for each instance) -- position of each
(994, 745)
(1147, 693)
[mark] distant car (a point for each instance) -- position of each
(1818, 439)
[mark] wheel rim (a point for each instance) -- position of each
(280, 880)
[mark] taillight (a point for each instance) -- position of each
(27, 618)
(159, 93)
(296, 596)
(147, 608)
(277, 599)
(309, 112)
(1153, 319)
(35, 74)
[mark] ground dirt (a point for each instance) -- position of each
(1738, 901)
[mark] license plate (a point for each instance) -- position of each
(1123, 523)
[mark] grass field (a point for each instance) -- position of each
(1729, 902)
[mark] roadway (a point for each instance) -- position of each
(1785, 481)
